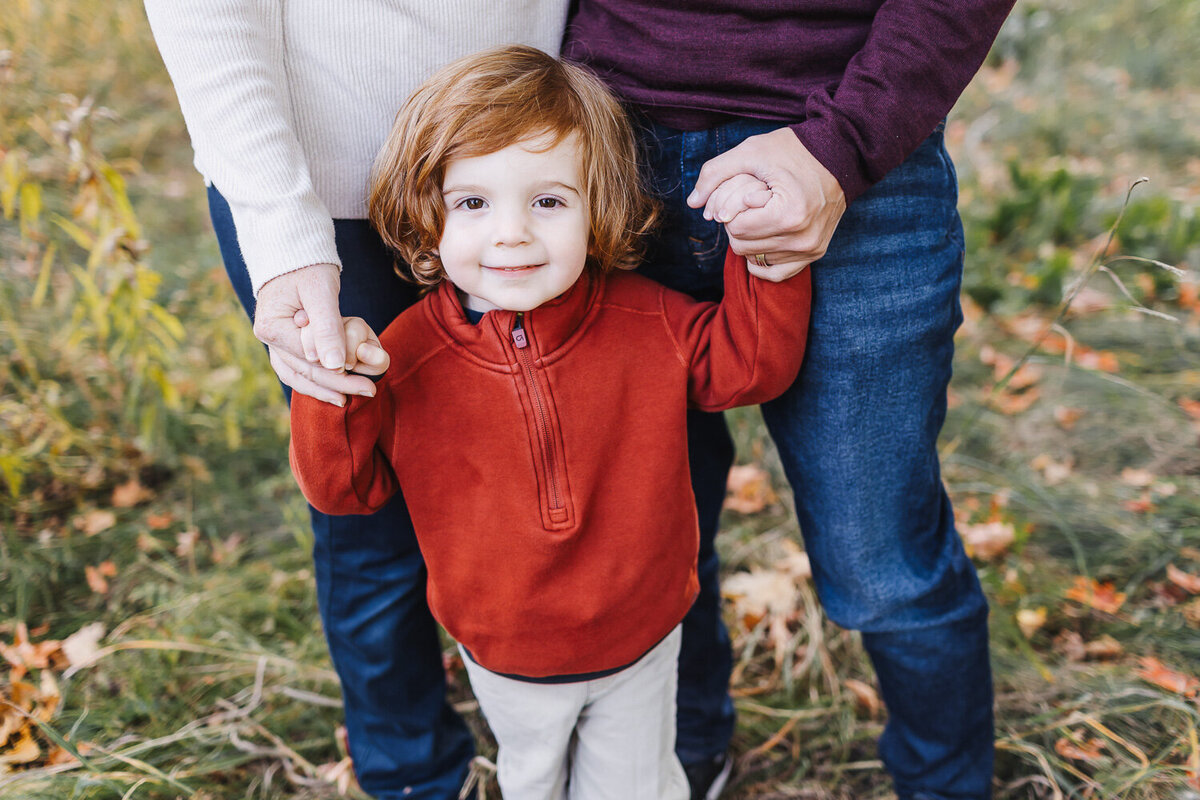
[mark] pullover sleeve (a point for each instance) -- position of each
(747, 349)
(226, 60)
(917, 59)
(339, 455)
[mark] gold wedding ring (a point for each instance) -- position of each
(761, 260)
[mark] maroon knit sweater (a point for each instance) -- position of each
(862, 82)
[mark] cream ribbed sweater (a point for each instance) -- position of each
(287, 101)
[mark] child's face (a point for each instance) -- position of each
(517, 225)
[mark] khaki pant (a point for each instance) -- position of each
(612, 738)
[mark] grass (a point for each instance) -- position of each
(145, 489)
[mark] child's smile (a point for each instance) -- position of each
(517, 225)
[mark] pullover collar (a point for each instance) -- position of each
(548, 328)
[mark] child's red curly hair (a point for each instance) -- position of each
(483, 103)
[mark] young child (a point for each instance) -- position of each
(534, 415)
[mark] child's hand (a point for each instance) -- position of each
(364, 354)
(740, 193)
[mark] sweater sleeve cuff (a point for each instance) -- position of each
(836, 154)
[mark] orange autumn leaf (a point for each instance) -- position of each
(1012, 404)
(130, 493)
(1084, 750)
(1066, 417)
(1140, 505)
(1099, 360)
(1184, 580)
(1100, 596)
(158, 522)
(1154, 671)
(865, 696)
(95, 581)
(1190, 407)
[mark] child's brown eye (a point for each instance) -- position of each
(472, 203)
(548, 202)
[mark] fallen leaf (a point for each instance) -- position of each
(340, 773)
(1154, 671)
(1100, 596)
(226, 548)
(23, 751)
(1012, 404)
(1066, 416)
(1099, 360)
(1088, 300)
(1031, 620)
(1054, 472)
(130, 493)
(1140, 505)
(185, 543)
(95, 580)
(1085, 750)
(795, 562)
(1164, 489)
(760, 592)
(82, 646)
(1184, 580)
(749, 489)
(987, 540)
(865, 696)
(95, 521)
(158, 522)
(1137, 477)
(107, 568)
(1105, 648)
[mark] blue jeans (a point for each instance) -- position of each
(857, 435)
(405, 739)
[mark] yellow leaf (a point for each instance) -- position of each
(23, 751)
(1100, 596)
(1031, 620)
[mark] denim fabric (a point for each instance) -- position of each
(857, 435)
(405, 739)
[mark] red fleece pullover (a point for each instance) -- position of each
(543, 455)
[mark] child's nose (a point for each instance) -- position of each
(512, 228)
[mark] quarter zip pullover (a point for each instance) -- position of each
(543, 456)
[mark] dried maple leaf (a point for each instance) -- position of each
(865, 696)
(1154, 671)
(1082, 750)
(1100, 596)
(1070, 644)
(749, 489)
(987, 540)
(24, 751)
(1184, 580)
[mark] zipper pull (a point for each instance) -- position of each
(518, 333)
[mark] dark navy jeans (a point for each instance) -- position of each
(405, 739)
(857, 435)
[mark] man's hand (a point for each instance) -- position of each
(793, 225)
(309, 295)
